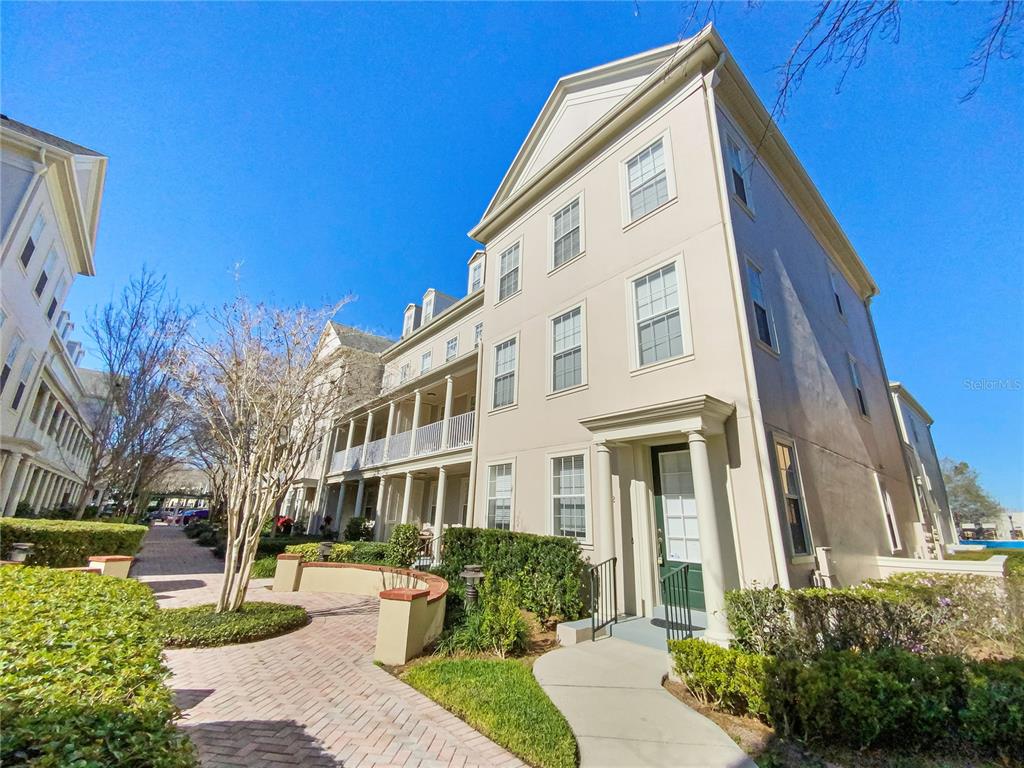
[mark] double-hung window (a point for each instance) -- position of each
(44, 274)
(833, 280)
(10, 360)
(659, 330)
(792, 498)
(403, 373)
(566, 229)
(568, 497)
(858, 388)
(647, 180)
(499, 496)
(508, 272)
(428, 308)
(58, 295)
(26, 373)
(478, 334)
(33, 240)
(567, 350)
(739, 170)
(451, 348)
(762, 315)
(425, 361)
(889, 516)
(476, 276)
(505, 373)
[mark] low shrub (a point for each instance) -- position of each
(208, 538)
(495, 625)
(69, 543)
(263, 568)
(731, 680)
(358, 529)
(199, 627)
(195, 528)
(82, 675)
(549, 570)
(403, 545)
(993, 715)
(275, 545)
(372, 552)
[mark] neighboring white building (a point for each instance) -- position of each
(934, 515)
(49, 212)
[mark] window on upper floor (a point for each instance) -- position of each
(478, 334)
(763, 321)
(12, 357)
(647, 180)
(567, 350)
(58, 296)
(26, 374)
(659, 331)
(740, 165)
(404, 372)
(3, 319)
(425, 361)
(913, 429)
(428, 307)
(792, 498)
(858, 387)
(834, 281)
(476, 275)
(505, 373)
(409, 321)
(566, 231)
(499, 496)
(508, 273)
(568, 497)
(451, 348)
(34, 238)
(44, 274)
(888, 515)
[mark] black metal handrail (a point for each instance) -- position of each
(604, 597)
(675, 595)
(425, 552)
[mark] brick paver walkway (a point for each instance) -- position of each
(309, 698)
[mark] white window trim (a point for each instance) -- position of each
(747, 160)
(497, 282)
(404, 372)
(487, 498)
(515, 388)
(551, 233)
(888, 514)
(783, 439)
(775, 347)
(572, 450)
(550, 352)
(684, 315)
(670, 177)
(478, 264)
(455, 353)
(857, 375)
(427, 356)
(478, 342)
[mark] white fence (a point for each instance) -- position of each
(460, 430)
(428, 439)
(398, 446)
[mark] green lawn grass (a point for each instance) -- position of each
(199, 627)
(1014, 558)
(501, 699)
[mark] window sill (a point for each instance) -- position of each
(503, 408)
(802, 560)
(768, 348)
(565, 264)
(663, 364)
(511, 296)
(635, 222)
(567, 391)
(746, 208)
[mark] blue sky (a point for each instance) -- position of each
(338, 149)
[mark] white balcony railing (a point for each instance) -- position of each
(374, 453)
(428, 439)
(338, 461)
(460, 430)
(398, 447)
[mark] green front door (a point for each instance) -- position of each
(676, 517)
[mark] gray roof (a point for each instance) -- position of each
(353, 337)
(46, 138)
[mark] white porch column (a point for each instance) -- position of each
(11, 466)
(415, 420)
(710, 542)
(449, 387)
(438, 521)
(340, 508)
(349, 438)
(605, 510)
(17, 487)
(381, 508)
(391, 424)
(360, 488)
(407, 497)
(366, 437)
(46, 414)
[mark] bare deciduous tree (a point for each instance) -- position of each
(263, 387)
(135, 430)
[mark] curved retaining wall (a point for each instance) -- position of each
(412, 603)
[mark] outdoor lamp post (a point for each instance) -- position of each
(19, 552)
(471, 575)
(325, 549)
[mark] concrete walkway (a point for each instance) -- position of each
(611, 694)
(311, 698)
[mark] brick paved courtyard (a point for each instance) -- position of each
(309, 698)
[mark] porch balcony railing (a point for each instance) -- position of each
(398, 447)
(428, 439)
(374, 453)
(460, 430)
(338, 461)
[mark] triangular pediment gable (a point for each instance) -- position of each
(577, 102)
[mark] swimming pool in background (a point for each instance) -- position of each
(1016, 544)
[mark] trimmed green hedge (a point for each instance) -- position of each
(69, 543)
(199, 627)
(82, 675)
(372, 552)
(278, 544)
(886, 698)
(549, 570)
(403, 545)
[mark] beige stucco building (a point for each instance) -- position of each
(50, 194)
(665, 351)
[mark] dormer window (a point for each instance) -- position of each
(428, 306)
(409, 322)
